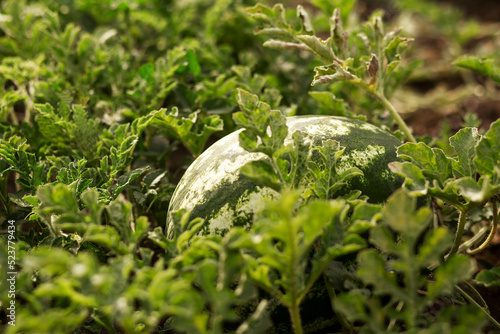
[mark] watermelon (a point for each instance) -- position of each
(212, 187)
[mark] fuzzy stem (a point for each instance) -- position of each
(296, 321)
(460, 231)
(475, 303)
(293, 307)
(478, 295)
(477, 237)
(388, 105)
(395, 115)
(331, 293)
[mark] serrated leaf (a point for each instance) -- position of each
(400, 215)
(305, 20)
(280, 45)
(488, 152)
(436, 242)
(332, 105)
(265, 132)
(372, 269)
(415, 181)
(352, 305)
(433, 162)
(273, 16)
(364, 216)
(323, 75)
(383, 238)
(127, 178)
(284, 241)
(19, 201)
(326, 181)
(456, 269)
(155, 177)
(192, 129)
(263, 173)
(464, 142)
(476, 191)
(275, 33)
(318, 46)
(489, 277)
(298, 160)
(336, 28)
(395, 47)
(485, 66)
(275, 137)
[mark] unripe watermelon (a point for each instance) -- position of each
(212, 187)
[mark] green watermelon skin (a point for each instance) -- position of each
(213, 189)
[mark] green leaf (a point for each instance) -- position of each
(489, 277)
(464, 143)
(333, 73)
(400, 215)
(305, 20)
(319, 47)
(364, 216)
(330, 104)
(395, 47)
(432, 161)
(396, 271)
(124, 180)
(265, 132)
(192, 129)
(476, 191)
(326, 181)
(352, 305)
(487, 159)
(456, 269)
(484, 66)
(415, 181)
(274, 16)
(147, 72)
(437, 241)
(296, 159)
(193, 65)
(372, 269)
(262, 172)
(284, 240)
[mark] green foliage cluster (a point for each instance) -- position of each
(103, 104)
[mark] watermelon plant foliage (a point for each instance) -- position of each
(103, 105)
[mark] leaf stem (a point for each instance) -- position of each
(458, 236)
(494, 227)
(331, 293)
(274, 164)
(388, 105)
(478, 295)
(294, 295)
(475, 303)
(14, 119)
(477, 237)
(296, 321)
(395, 115)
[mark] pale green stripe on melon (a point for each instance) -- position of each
(238, 211)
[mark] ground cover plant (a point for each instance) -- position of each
(104, 104)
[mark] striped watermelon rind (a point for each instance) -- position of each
(212, 187)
